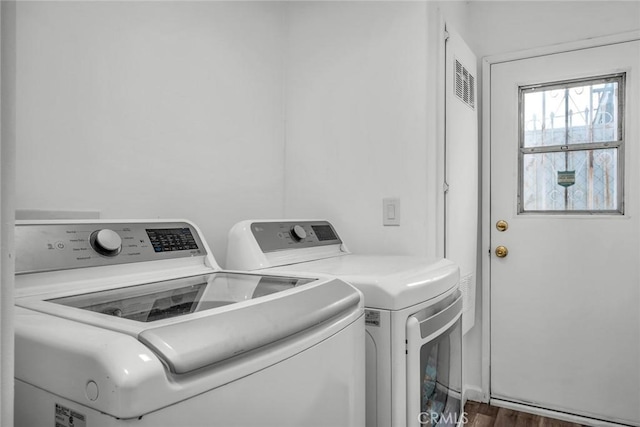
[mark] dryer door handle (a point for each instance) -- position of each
(430, 325)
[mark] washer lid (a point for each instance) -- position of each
(196, 343)
(170, 299)
(387, 281)
(197, 321)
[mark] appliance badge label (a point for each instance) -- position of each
(66, 417)
(372, 318)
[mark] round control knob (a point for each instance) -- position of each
(106, 242)
(298, 233)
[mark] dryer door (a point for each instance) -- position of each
(434, 364)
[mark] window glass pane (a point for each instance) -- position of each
(572, 114)
(584, 180)
(440, 379)
(544, 122)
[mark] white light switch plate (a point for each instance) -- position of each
(391, 211)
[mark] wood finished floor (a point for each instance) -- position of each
(483, 415)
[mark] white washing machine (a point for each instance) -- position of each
(413, 315)
(132, 323)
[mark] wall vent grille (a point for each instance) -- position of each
(465, 86)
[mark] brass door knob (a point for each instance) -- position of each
(502, 225)
(501, 251)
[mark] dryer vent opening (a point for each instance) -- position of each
(464, 85)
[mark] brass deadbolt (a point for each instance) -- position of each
(501, 251)
(502, 225)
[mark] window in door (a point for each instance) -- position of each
(571, 154)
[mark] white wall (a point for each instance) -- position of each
(357, 132)
(511, 26)
(456, 13)
(152, 109)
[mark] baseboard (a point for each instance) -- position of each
(554, 414)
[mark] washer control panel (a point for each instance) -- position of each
(59, 246)
(277, 236)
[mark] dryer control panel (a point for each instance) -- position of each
(60, 246)
(276, 236)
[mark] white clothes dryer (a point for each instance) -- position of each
(132, 323)
(413, 315)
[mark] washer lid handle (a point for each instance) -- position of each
(199, 342)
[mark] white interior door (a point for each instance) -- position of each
(565, 300)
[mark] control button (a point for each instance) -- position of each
(298, 233)
(59, 245)
(106, 242)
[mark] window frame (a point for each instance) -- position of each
(618, 144)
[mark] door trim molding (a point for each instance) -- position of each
(563, 47)
(485, 222)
